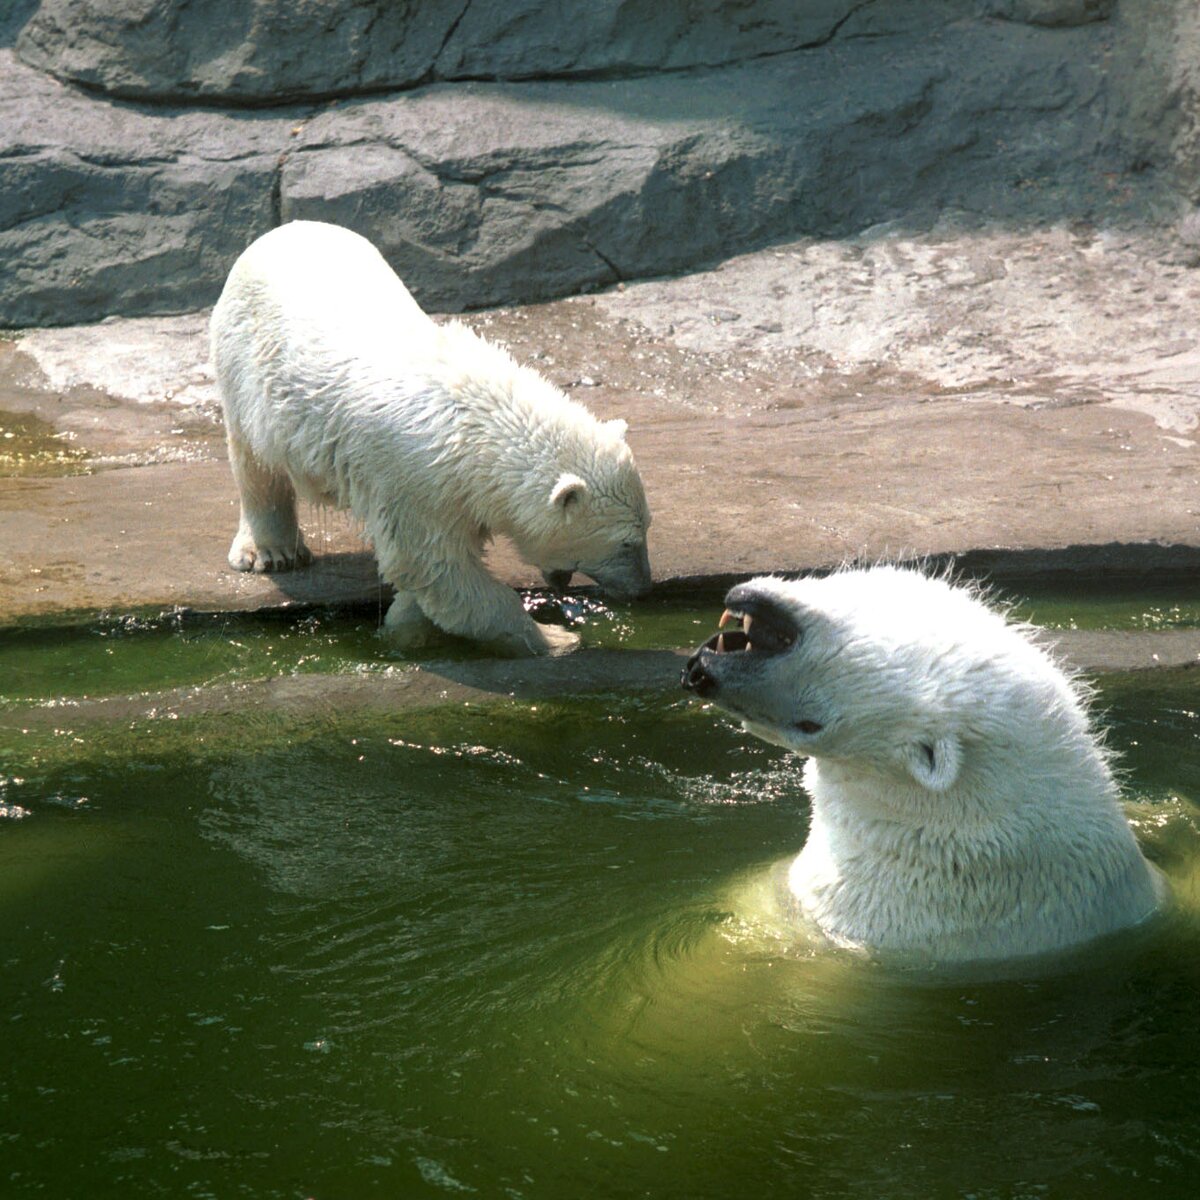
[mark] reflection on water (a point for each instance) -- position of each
(538, 952)
(138, 653)
(30, 447)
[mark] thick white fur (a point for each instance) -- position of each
(963, 806)
(338, 387)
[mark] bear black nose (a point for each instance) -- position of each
(695, 677)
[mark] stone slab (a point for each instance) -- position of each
(943, 396)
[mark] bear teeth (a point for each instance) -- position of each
(727, 617)
(771, 639)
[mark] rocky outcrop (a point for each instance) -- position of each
(106, 209)
(273, 51)
(486, 192)
(1051, 13)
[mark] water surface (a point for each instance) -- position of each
(105, 654)
(29, 447)
(532, 950)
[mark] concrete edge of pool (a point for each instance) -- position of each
(349, 579)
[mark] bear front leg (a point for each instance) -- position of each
(268, 537)
(465, 600)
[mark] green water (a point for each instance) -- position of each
(1114, 603)
(533, 951)
(108, 655)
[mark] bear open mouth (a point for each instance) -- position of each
(762, 629)
(558, 581)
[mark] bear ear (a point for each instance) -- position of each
(567, 492)
(617, 428)
(934, 762)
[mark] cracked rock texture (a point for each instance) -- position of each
(272, 50)
(508, 153)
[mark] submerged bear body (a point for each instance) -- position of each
(963, 807)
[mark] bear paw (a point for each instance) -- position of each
(246, 555)
(540, 640)
(405, 626)
(558, 640)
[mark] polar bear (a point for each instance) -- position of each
(963, 807)
(337, 387)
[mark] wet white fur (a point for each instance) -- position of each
(338, 387)
(963, 806)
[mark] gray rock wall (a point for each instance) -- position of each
(1051, 13)
(274, 51)
(1020, 111)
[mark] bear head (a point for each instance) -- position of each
(591, 516)
(895, 674)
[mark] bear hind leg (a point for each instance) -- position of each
(405, 624)
(268, 536)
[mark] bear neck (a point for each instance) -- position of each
(982, 870)
(520, 434)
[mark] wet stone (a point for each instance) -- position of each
(31, 447)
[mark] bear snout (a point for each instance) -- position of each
(696, 676)
(558, 581)
(623, 590)
(627, 576)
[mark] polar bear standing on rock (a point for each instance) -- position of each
(962, 805)
(337, 387)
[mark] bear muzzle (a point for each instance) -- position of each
(626, 576)
(761, 629)
(696, 676)
(715, 671)
(700, 674)
(558, 581)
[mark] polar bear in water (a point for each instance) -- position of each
(336, 386)
(962, 805)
